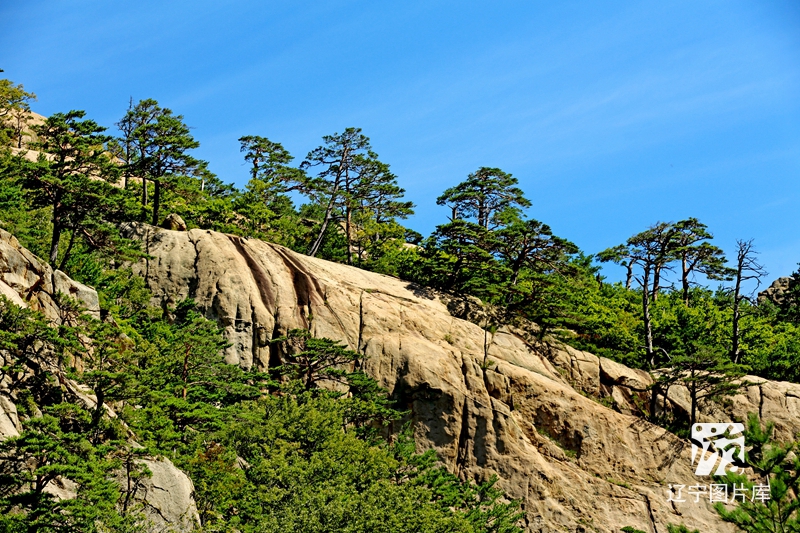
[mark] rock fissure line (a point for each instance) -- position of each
(274, 349)
(195, 280)
(309, 281)
(360, 322)
(254, 342)
(463, 436)
(652, 518)
(257, 272)
(37, 285)
(303, 284)
(147, 257)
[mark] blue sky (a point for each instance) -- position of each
(612, 115)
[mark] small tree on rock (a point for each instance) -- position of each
(707, 374)
(14, 112)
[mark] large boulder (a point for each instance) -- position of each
(168, 498)
(776, 292)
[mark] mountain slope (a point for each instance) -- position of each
(489, 403)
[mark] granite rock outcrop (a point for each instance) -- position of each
(489, 401)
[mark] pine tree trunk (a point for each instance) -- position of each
(97, 414)
(185, 371)
(318, 242)
(19, 131)
(656, 281)
(57, 229)
(69, 249)
(654, 394)
(156, 200)
(737, 300)
(648, 329)
(685, 280)
(347, 233)
(142, 161)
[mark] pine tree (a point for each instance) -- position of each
(73, 176)
(342, 158)
(651, 251)
(458, 258)
(483, 196)
(161, 142)
(267, 209)
(696, 255)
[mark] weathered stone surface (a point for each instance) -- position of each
(12, 295)
(9, 419)
(777, 401)
(174, 222)
(490, 404)
(86, 295)
(613, 373)
(581, 369)
(35, 284)
(168, 498)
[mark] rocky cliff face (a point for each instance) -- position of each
(29, 283)
(490, 404)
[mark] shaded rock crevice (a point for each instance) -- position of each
(653, 527)
(195, 268)
(306, 288)
(260, 276)
(463, 437)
